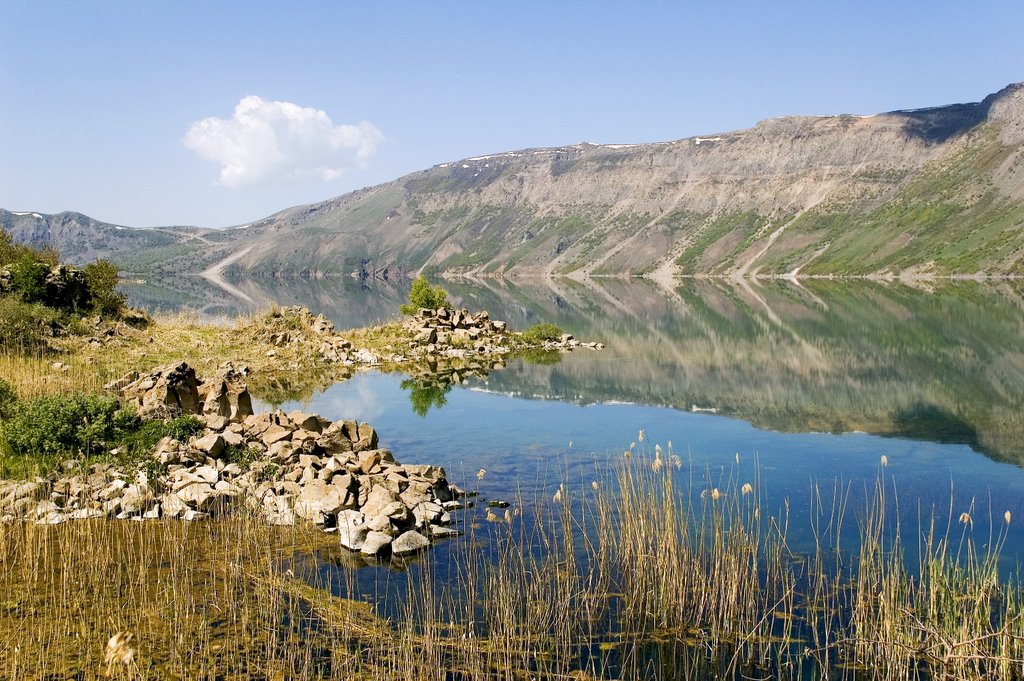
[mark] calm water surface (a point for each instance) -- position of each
(804, 384)
(799, 389)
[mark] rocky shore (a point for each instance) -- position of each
(459, 332)
(285, 468)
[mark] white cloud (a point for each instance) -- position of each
(269, 141)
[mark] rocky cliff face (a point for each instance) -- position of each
(933, 191)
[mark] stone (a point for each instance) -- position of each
(369, 461)
(52, 518)
(166, 391)
(199, 495)
(310, 461)
(352, 530)
(441, 532)
(375, 543)
(215, 422)
(232, 439)
(427, 513)
(377, 499)
(409, 543)
(208, 474)
(86, 513)
(211, 445)
(226, 394)
(381, 523)
(275, 433)
(136, 498)
(112, 490)
(431, 473)
(172, 506)
(281, 452)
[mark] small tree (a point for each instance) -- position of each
(28, 278)
(101, 277)
(423, 295)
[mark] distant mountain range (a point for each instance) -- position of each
(936, 191)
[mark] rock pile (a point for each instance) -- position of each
(443, 330)
(458, 332)
(174, 389)
(297, 327)
(283, 467)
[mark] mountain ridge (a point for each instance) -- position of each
(937, 191)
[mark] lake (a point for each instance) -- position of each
(800, 389)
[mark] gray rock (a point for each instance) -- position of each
(212, 445)
(198, 495)
(352, 530)
(86, 513)
(135, 499)
(442, 532)
(172, 506)
(409, 543)
(207, 474)
(377, 499)
(275, 433)
(375, 543)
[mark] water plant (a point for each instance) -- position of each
(641, 572)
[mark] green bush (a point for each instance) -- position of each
(423, 295)
(26, 327)
(67, 424)
(541, 333)
(28, 279)
(89, 425)
(138, 438)
(101, 278)
(11, 252)
(8, 398)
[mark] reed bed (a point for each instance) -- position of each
(650, 571)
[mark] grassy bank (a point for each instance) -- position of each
(643, 573)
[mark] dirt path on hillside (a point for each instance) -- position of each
(214, 275)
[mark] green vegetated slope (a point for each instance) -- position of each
(935, 191)
(888, 359)
(81, 239)
(939, 191)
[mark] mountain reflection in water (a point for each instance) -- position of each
(944, 364)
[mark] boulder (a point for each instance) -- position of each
(211, 445)
(375, 543)
(409, 543)
(165, 391)
(352, 530)
(226, 394)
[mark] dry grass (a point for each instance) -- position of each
(279, 371)
(650, 571)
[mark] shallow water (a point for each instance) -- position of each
(799, 390)
(804, 385)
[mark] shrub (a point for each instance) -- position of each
(28, 279)
(67, 424)
(101, 278)
(8, 398)
(540, 333)
(26, 327)
(137, 438)
(423, 295)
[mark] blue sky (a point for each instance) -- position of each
(216, 113)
